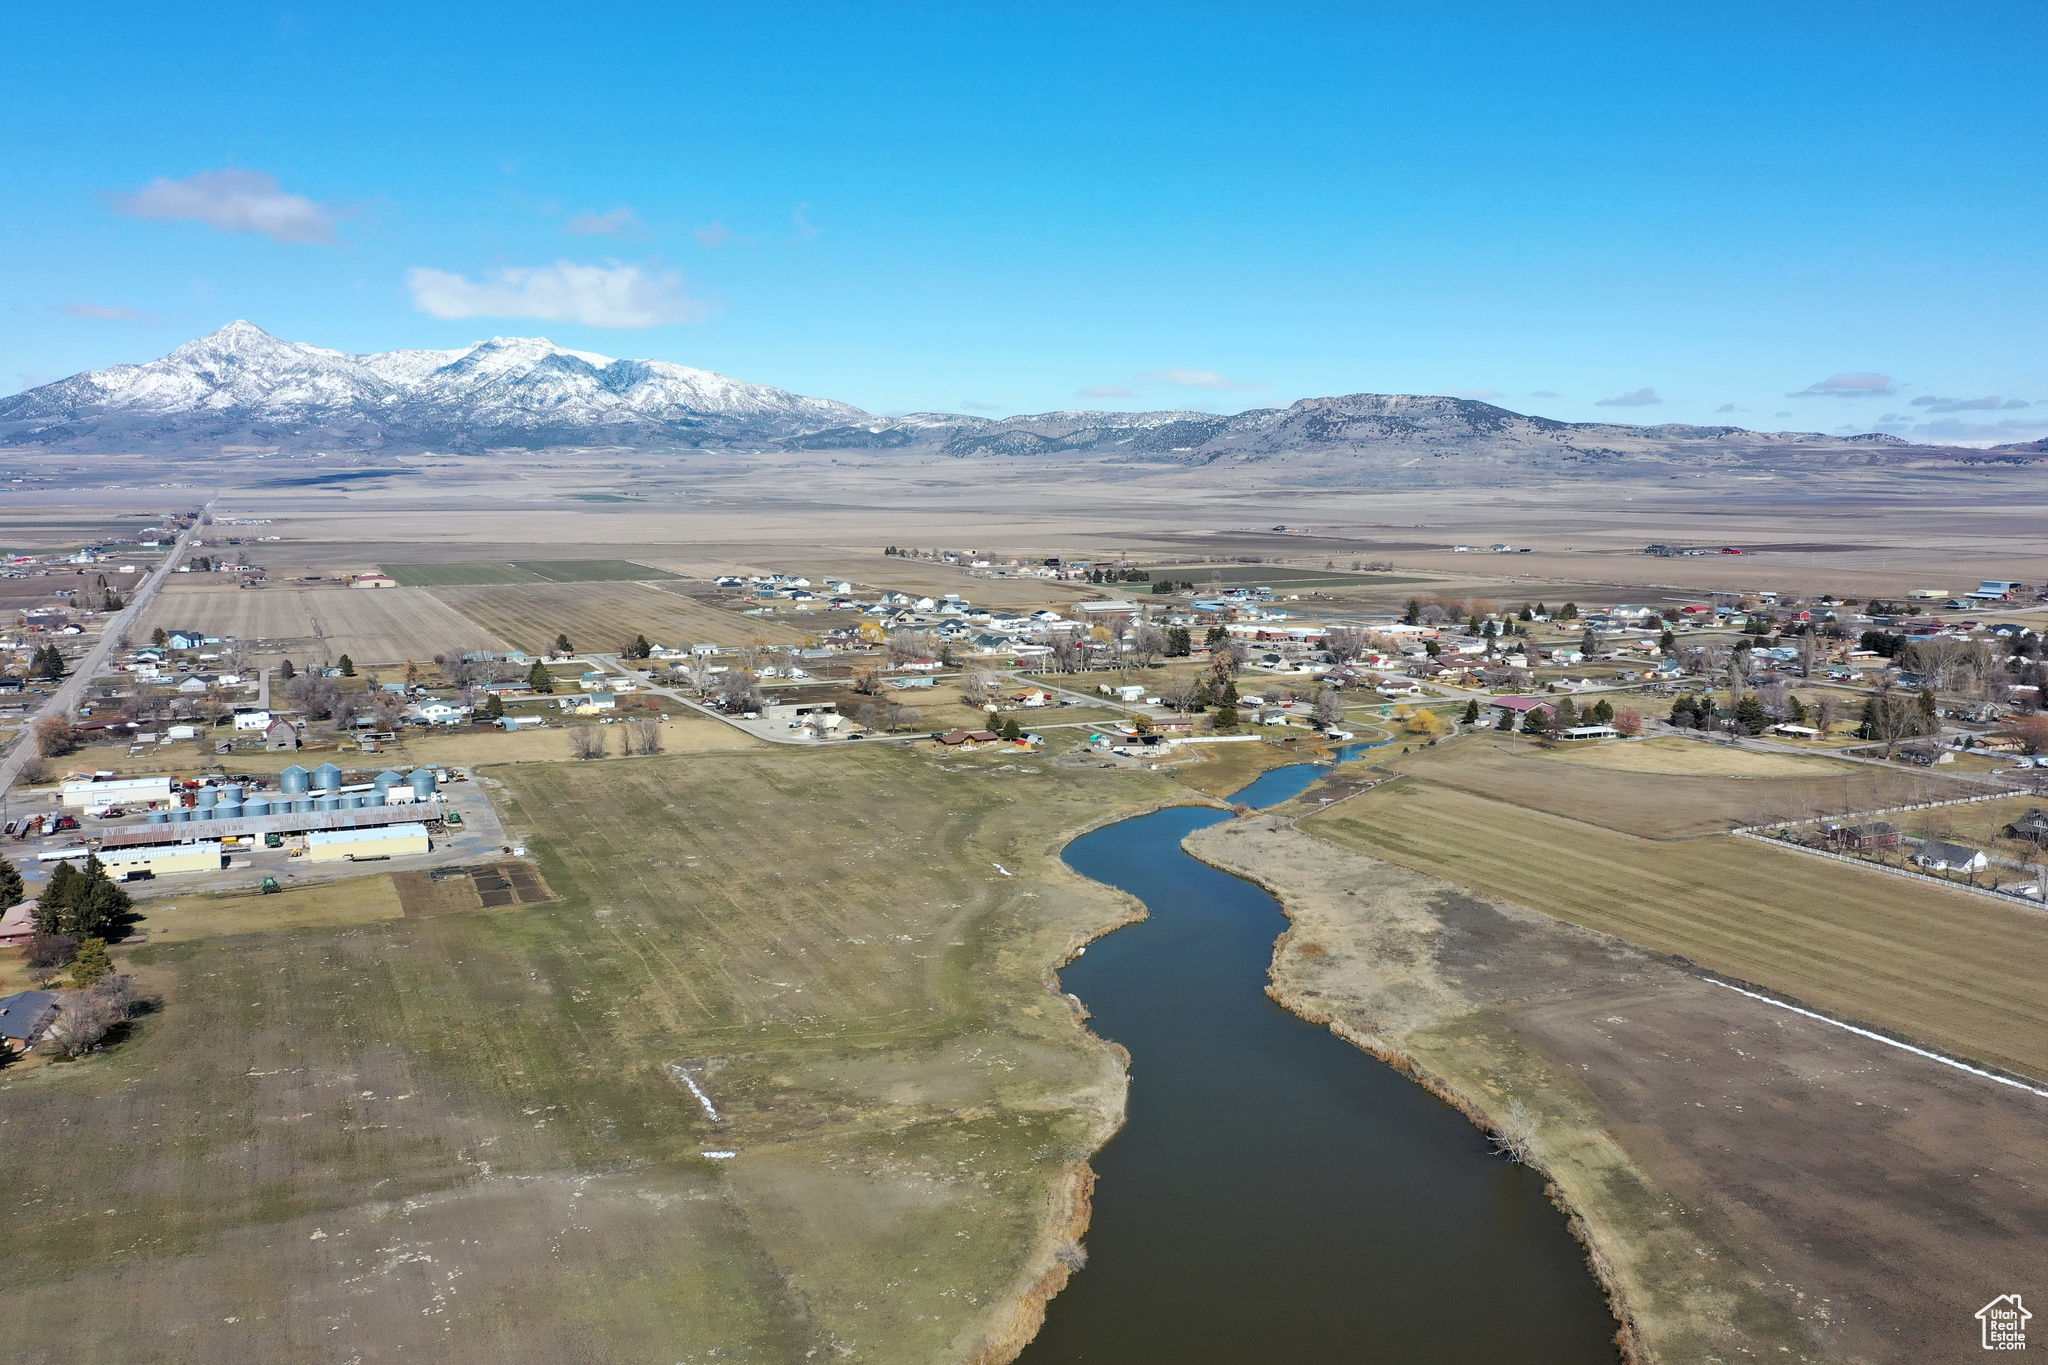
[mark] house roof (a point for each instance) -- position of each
(1933, 850)
(24, 1014)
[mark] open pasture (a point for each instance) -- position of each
(1691, 758)
(473, 1136)
(482, 573)
(1273, 576)
(603, 616)
(311, 625)
(1660, 804)
(1953, 969)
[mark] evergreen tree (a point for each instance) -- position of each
(1681, 710)
(1011, 730)
(1526, 614)
(158, 638)
(562, 645)
(1471, 716)
(286, 671)
(1927, 707)
(1226, 717)
(1535, 720)
(641, 649)
(1215, 636)
(1798, 711)
(1603, 711)
(1667, 642)
(1413, 614)
(1750, 714)
(56, 898)
(494, 707)
(10, 884)
(1567, 713)
(91, 964)
(539, 679)
(348, 667)
(1568, 612)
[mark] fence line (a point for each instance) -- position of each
(1999, 896)
(1882, 810)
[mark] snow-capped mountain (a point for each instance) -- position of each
(242, 385)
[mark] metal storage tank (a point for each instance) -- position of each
(352, 801)
(422, 782)
(159, 817)
(182, 814)
(327, 803)
(302, 805)
(386, 780)
(294, 780)
(228, 812)
(231, 794)
(258, 804)
(375, 798)
(326, 777)
(207, 797)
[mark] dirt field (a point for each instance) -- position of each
(524, 571)
(1903, 954)
(311, 625)
(472, 1138)
(1664, 805)
(602, 616)
(1691, 758)
(1759, 1186)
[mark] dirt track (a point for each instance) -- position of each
(1760, 1185)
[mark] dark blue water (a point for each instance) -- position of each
(1277, 1195)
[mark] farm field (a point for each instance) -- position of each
(217, 914)
(1691, 758)
(1270, 575)
(478, 573)
(472, 1137)
(318, 625)
(1865, 945)
(1666, 804)
(602, 616)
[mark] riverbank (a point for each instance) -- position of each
(1747, 1182)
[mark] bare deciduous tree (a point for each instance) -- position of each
(1330, 706)
(587, 741)
(642, 736)
(1345, 643)
(901, 717)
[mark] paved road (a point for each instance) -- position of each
(64, 701)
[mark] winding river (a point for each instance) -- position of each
(1275, 1194)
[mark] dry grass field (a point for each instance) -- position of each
(477, 573)
(471, 1138)
(318, 624)
(1663, 804)
(1691, 758)
(1903, 954)
(602, 616)
(358, 900)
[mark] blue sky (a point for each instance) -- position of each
(1830, 211)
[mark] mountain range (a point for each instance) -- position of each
(242, 387)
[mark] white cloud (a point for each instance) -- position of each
(1105, 391)
(1781, 414)
(1546, 393)
(1726, 407)
(1985, 404)
(1954, 431)
(620, 222)
(1853, 385)
(1634, 398)
(1479, 395)
(236, 201)
(713, 234)
(614, 295)
(101, 312)
(1202, 379)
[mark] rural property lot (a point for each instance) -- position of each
(318, 625)
(482, 572)
(1671, 803)
(603, 616)
(1957, 970)
(1761, 1186)
(471, 1137)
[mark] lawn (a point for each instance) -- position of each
(1902, 954)
(472, 1137)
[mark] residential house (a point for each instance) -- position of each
(1938, 856)
(18, 924)
(1863, 838)
(185, 639)
(439, 713)
(2033, 827)
(24, 1017)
